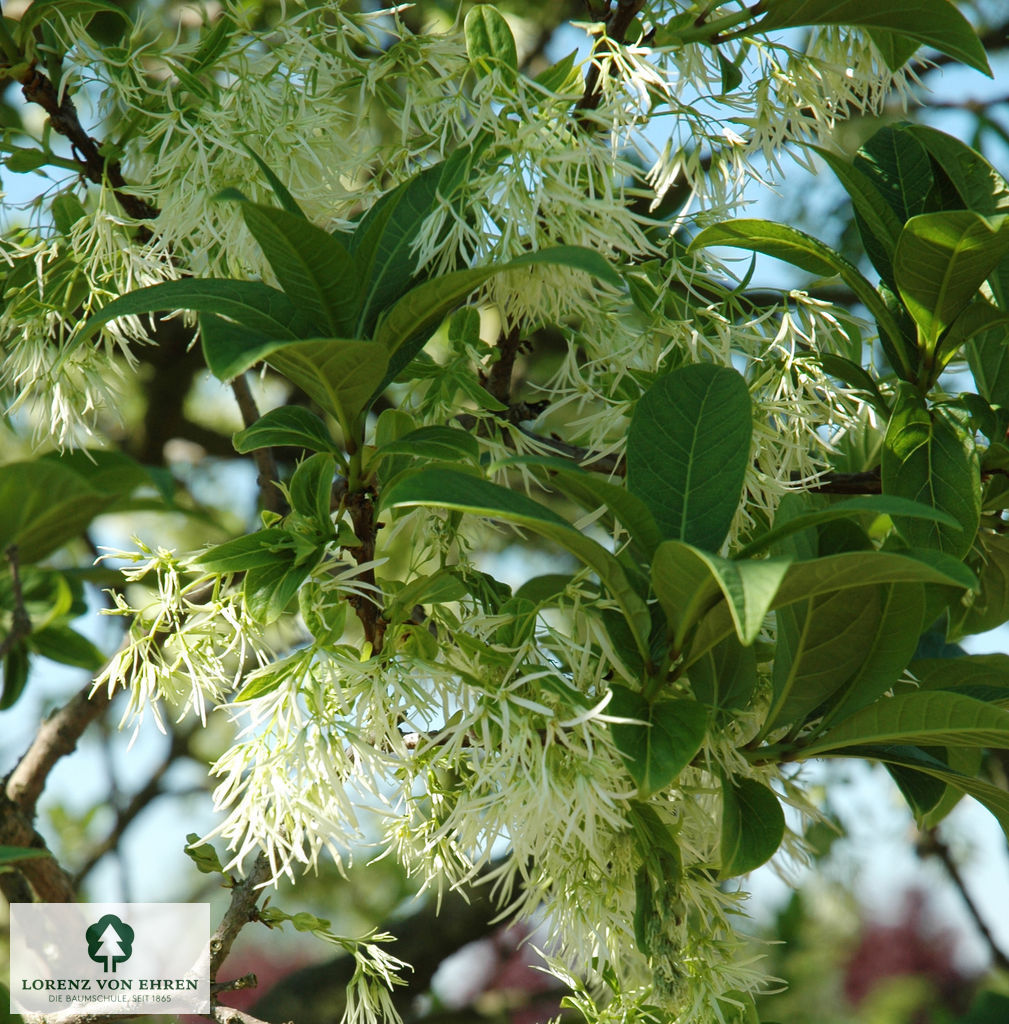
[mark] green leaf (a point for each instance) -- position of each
(726, 677)
(341, 375)
(67, 210)
(888, 652)
(444, 488)
(688, 448)
(864, 504)
(15, 675)
(265, 312)
(286, 200)
(311, 489)
(447, 444)
(753, 825)
(591, 492)
(878, 225)
(40, 11)
(490, 44)
(898, 168)
(809, 254)
(13, 854)
(383, 242)
(66, 646)
(689, 582)
(896, 50)
(979, 318)
(316, 272)
(805, 579)
(413, 319)
(980, 185)
(928, 459)
(660, 742)
(43, 505)
(941, 260)
(936, 23)
(858, 379)
(290, 425)
(264, 547)
(920, 718)
(821, 643)
(203, 855)
(269, 589)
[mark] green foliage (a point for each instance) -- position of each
(496, 351)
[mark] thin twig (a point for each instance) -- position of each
(125, 815)
(931, 844)
(241, 910)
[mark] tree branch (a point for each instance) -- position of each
(38, 89)
(617, 24)
(273, 499)
(241, 910)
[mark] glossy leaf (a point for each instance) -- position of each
(269, 589)
(930, 460)
(936, 23)
(897, 167)
(864, 504)
(340, 375)
(382, 246)
(592, 491)
(886, 655)
(447, 444)
(689, 582)
(688, 448)
(753, 825)
(807, 253)
(284, 197)
(878, 225)
(807, 578)
(661, 742)
(264, 547)
(266, 312)
(311, 488)
(289, 425)
(443, 488)
(940, 262)
(313, 268)
(821, 643)
(992, 797)
(921, 718)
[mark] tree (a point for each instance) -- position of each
(477, 290)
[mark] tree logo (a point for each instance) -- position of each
(110, 942)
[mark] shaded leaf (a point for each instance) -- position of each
(688, 448)
(289, 425)
(753, 825)
(930, 460)
(661, 742)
